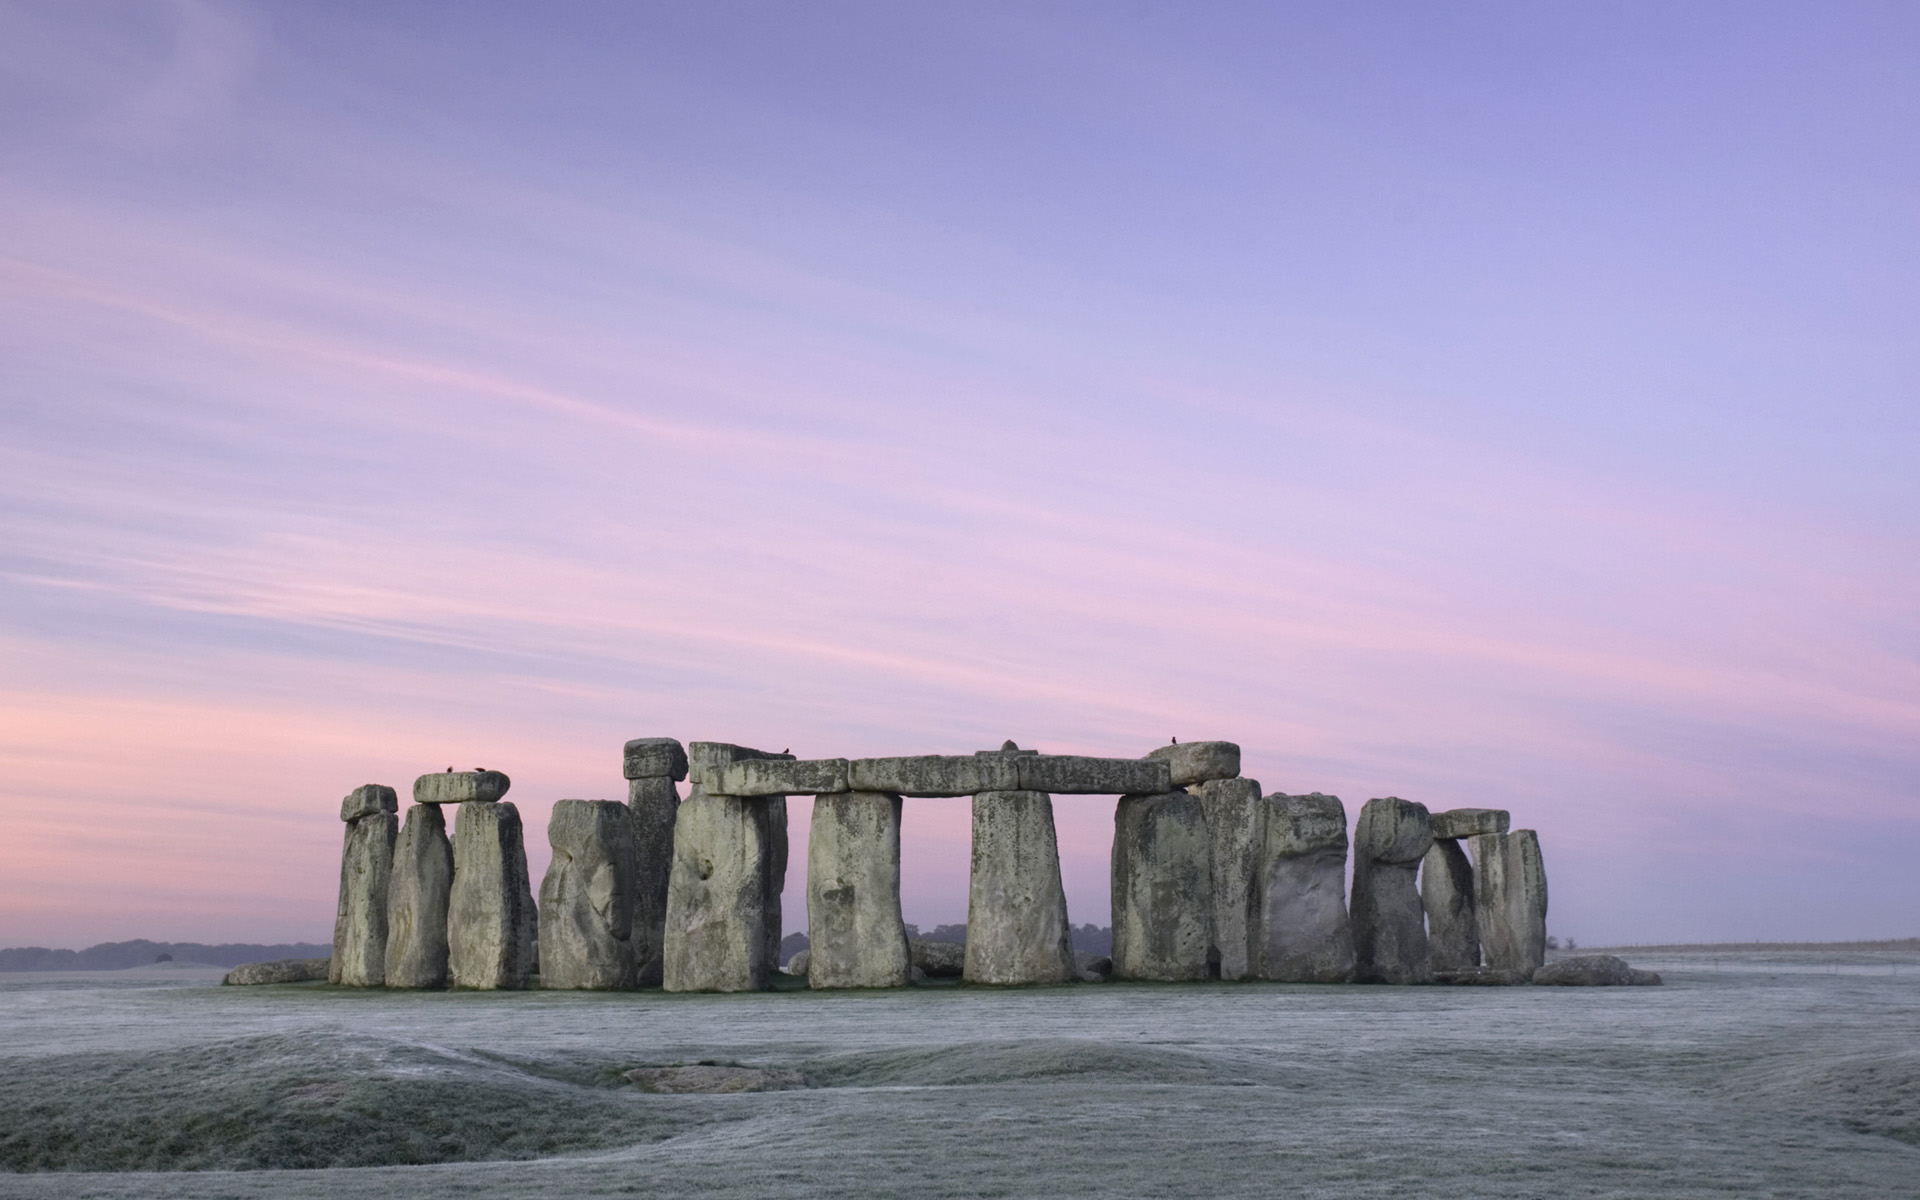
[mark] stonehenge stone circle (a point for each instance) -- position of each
(1446, 892)
(1017, 928)
(1236, 826)
(1162, 888)
(490, 914)
(1510, 900)
(1198, 762)
(723, 895)
(1302, 933)
(1390, 839)
(586, 899)
(417, 900)
(366, 866)
(856, 937)
(460, 787)
(652, 767)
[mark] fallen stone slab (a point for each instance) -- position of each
(723, 899)
(1510, 900)
(1074, 775)
(1478, 977)
(713, 1079)
(652, 804)
(1017, 931)
(284, 970)
(1593, 970)
(856, 938)
(418, 895)
(490, 913)
(654, 758)
(1302, 932)
(586, 899)
(782, 777)
(1162, 888)
(1236, 821)
(935, 775)
(368, 799)
(1197, 762)
(461, 787)
(705, 761)
(1469, 822)
(939, 960)
(1389, 922)
(1446, 892)
(366, 867)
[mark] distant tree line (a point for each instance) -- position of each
(117, 956)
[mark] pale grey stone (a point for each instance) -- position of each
(723, 917)
(1302, 933)
(1587, 970)
(782, 777)
(1389, 924)
(460, 787)
(1197, 762)
(935, 774)
(1236, 828)
(1510, 900)
(854, 932)
(1070, 774)
(417, 899)
(586, 899)
(1446, 892)
(360, 917)
(1469, 822)
(800, 963)
(1017, 928)
(282, 970)
(652, 802)
(654, 758)
(368, 799)
(714, 1079)
(1162, 888)
(490, 914)
(939, 960)
(705, 761)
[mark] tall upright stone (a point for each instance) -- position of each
(1390, 839)
(856, 937)
(1162, 888)
(366, 866)
(1510, 900)
(653, 767)
(417, 901)
(1446, 892)
(721, 933)
(586, 899)
(490, 916)
(1236, 827)
(1017, 929)
(1302, 932)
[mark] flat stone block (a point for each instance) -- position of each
(490, 914)
(1017, 929)
(1587, 970)
(360, 919)
(1303, 934)
(782, 777)
(856, 938)
(1236, 819)
(417, 899)
(935, 774)
(705, 761)
(1197, 762)
(586, 899)
(460, 787)
(1068, 774)
(1162, 888)
(654, 758)
(368, 799)
(1458, 823)
(280, 970)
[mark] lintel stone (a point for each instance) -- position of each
(1069, 774)
(460, 787)
(1198, 762)
(933, 775)
(368, 799)
(783, 777)
(654, 758)
(705, 761)
(1457, 823)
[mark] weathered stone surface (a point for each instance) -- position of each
(1197, 762)
(360, 917)
(654, 758)
(1478, 977)
(283, 970)
(705, 761)
(1236, 828)
(1389, 924)
(1510, 900)
(1469, 822)
(940, 960)
(417, 900)
(1073, 775)
(1099, 966)
(935, 774)
(1589, 970)
(368, 799)
(783, 777)
(652, 803)
(723, 916)
(1446, 892)
(1302, 934)
(490, 915)
(460, 787)
(855, 935)
(586, 899)
(714, 1079)
(1017, 928)
(799, 963)
(1162, 888)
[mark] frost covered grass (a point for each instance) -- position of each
(1741, 1076)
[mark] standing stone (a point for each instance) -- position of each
(652, 766)
(1510, 900)
(1235, 828)
(417, 901)
(1446, 892)
(366, 866)
(586, 899)
(1162, 888)
(490, 916)
(1302, 934)
(855, 935)
(1389, 925)
(1017, 929)
(727, 852)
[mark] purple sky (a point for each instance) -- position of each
(1486, 405)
